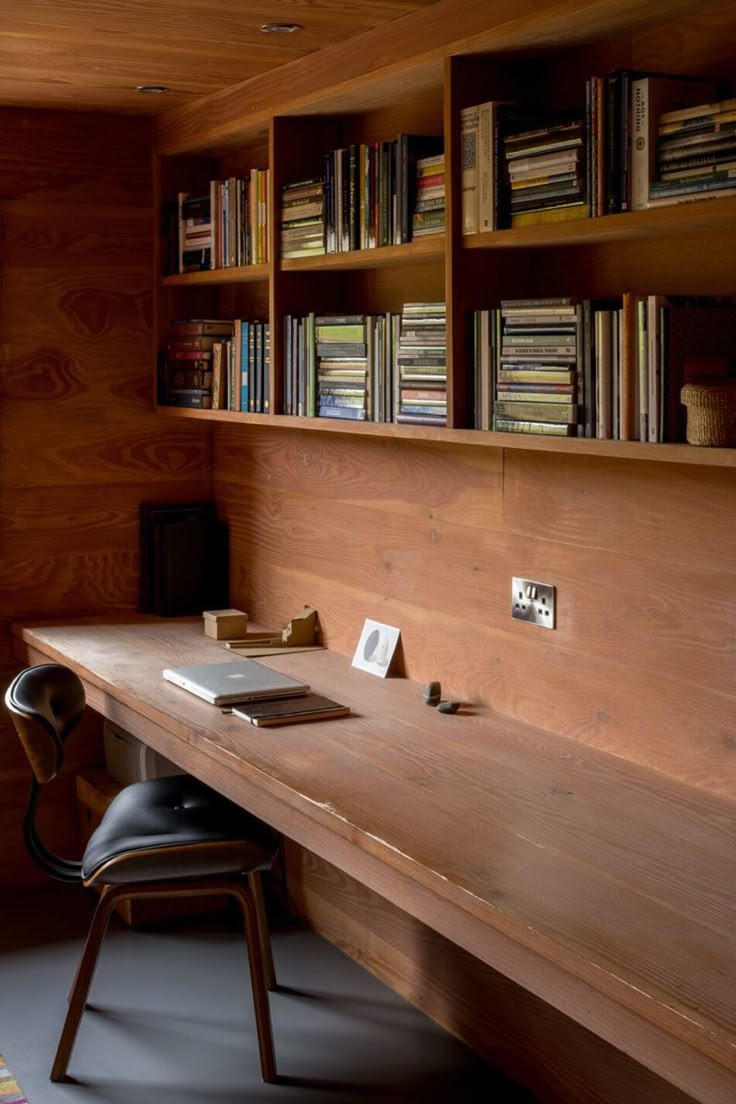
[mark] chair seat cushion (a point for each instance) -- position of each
(174, 827)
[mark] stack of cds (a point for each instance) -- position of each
(546, 173)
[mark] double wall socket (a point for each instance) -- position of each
(533, 602)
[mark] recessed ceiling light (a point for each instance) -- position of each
(281, 28)
(151, 89)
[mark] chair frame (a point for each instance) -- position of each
(43, 737)
(247, 893)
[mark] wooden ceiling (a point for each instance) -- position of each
(92, 53)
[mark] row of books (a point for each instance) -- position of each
(623, 113)
(611, 369)
(340, 366)
(225, 226)
(217, 364)
(380, 368)
(371, 195)
(644, 139)
(521, 165)
(696, 153)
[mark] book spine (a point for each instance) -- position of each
(585, 374)
(486, 187)
(603, 372)
(642, 143)
(691, 187)
(628, 428)
(538, 411)
(469, 134)
(195, 399)
(589, 154)
(625, 142)
(511, 425)
(245, 365)
(641, 366)
(654, 378)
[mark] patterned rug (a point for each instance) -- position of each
(10, 1090)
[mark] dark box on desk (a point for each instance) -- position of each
(184, 559)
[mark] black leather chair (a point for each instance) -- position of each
(163, 837)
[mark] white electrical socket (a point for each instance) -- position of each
(533, 602)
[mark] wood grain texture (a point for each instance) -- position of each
(555, 1058)
(554, 863)
(428, 539)
(80, 447)
(93, 55)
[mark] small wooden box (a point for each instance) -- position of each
(227, 624)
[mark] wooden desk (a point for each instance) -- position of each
(605, 889)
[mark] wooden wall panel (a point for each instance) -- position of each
(80, 446)
(428, 538)
(556, 1059)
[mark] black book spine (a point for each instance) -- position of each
(329, 205)
(613, 108)
(625, 142)
(353, 204)
(345, 227)
(287, 364)
(251, 366)
(266, 334)
(402, 188)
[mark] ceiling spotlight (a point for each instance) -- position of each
(151, 89)
(281, 28)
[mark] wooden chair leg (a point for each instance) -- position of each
(258, 985)
(83, 980)
(256, 887)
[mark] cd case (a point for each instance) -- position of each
(309, 707)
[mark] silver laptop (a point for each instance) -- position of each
(240, 681)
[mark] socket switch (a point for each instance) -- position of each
(533, 602)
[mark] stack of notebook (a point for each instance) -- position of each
(263, 696)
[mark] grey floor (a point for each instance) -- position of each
(171, 1020)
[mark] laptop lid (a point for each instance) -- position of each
(240, 681)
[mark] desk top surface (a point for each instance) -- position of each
(622, 878)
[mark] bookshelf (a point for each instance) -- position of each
(638, 251)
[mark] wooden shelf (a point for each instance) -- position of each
(621, 450)
(684, 218)
(244, 274)
(430, 248)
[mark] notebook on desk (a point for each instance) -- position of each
(309, 707)
(242, 681)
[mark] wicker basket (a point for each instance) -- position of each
(711, 412)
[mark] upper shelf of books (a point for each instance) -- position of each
(562, 138)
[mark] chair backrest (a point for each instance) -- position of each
(45, 703)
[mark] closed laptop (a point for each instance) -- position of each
(240, 681)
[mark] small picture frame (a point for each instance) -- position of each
(376, 648)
